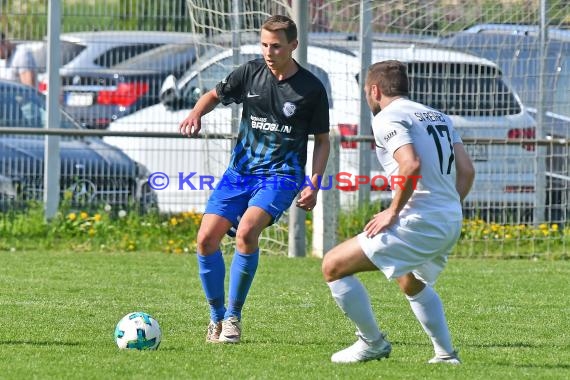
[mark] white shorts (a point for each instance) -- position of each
(412, 245)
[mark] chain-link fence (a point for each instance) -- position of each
(500, 69)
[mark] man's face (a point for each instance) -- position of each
(276, 51)
(370, 92)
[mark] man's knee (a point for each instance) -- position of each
(247, 235)
(207, 242)
(410, 285)
(330, 268)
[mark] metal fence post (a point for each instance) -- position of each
(325, 214)
(365, 46)
(297, 216)
(51, 153)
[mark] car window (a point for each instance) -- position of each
(209, 77)
(518, 56)
(119, 54)
(20, 109)
(68, 51)
(24, 108)
(164, 58)
(461, 89)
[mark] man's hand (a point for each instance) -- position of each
(380, 222)
(190, 126)
(308, 199)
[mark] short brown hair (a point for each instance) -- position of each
(284, 23)
(390, 76)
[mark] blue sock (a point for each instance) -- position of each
(242, 272)
(212, 274)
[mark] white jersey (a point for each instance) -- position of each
(432, 134)
(21, 61)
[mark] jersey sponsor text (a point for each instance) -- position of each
(263, 124)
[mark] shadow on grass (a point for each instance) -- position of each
(33, 343)
(537, 366)
(504, 345)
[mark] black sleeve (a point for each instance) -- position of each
(231, 89)
(320, 122)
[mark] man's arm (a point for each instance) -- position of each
(308, 198)
(465, 170)
(192, 124)
(28, 77)
(320, 157)
(409, 168)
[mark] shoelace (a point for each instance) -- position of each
(212, 328)
(230, 327)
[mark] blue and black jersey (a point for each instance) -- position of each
(277, 118)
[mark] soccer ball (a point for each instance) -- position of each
(138, 331)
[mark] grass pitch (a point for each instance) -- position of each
(509, 320)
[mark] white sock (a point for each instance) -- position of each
(352, 298)
(428, 309)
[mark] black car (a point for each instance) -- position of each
(92, 172)
(97, 97)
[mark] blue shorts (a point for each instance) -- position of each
(234, 193)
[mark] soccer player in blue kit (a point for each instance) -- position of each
(283, 104)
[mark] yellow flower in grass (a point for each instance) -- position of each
(91, 232)
(170, 242)
(97, 217)
(72, 216)
(84, 215)
(543, 226)
(173, 221)
(554, 227)
(67, 195)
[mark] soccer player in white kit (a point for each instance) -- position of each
(410, 240)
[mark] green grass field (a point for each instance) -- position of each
(509, 320)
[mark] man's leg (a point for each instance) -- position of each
(338, 268)
(428, 309)
(212, 269)
(243, 269)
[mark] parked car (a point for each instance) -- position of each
(470, 89)
(104, 49)
(517, 50)
(92, 172)
(208, 157)
(93, 52)
(482, 105)
(97, 97)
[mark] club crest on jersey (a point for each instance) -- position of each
(289, 109)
